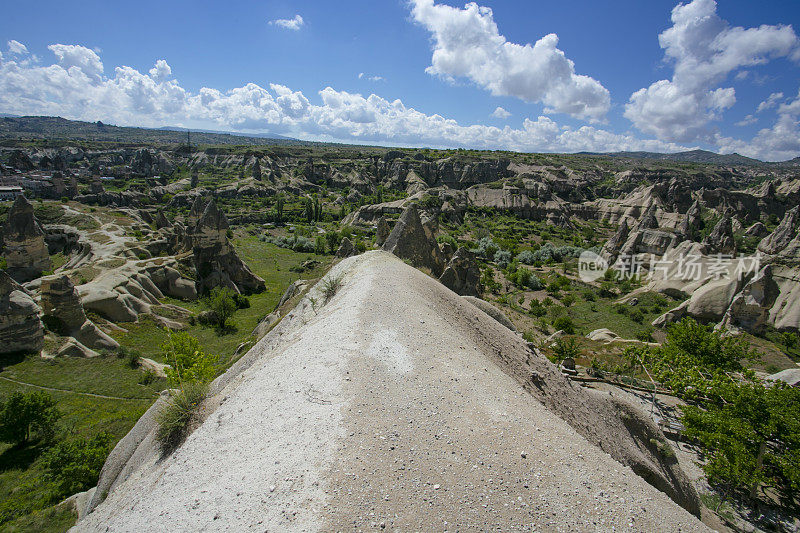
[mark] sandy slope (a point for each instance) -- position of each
(377, 410)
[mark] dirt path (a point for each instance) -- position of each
(73, 392)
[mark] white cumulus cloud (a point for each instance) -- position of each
(16, 48)
(75, 86)
(468, 44)
(704, 50)
(294, 23)
(501, 113)
(771, 101)
(363, 76)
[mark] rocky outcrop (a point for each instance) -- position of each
(382, 231)
(161, 221)
(25, 248)
(690, 221)
(757, 230)
(75, 348)
(122, 294)
(462, 274)
(409, 240)
(612, 248)
(346, 249)
(750, 308)
(21, 161)
(783, 234)
(215, 259)
(21, 328)
(720, 240)
(63, 312)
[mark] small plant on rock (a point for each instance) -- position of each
(176, 415)
(330, 286)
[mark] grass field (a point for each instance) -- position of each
(26, 501)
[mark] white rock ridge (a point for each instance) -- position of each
(396, 403)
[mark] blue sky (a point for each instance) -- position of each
(569, 76)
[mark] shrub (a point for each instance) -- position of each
(223, 302)
(177, 413)
(637, 316)
(645, 335)
(147, 377)
(537, 309)
(486, 248)
(502, 258)
(330, 286)
(589, 295)
(568, 300)
(565, 324)
(565, 348)
(74, 465)
(131, 356)
(23, 415)
(187, 360)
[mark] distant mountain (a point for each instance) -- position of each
(235, 134)
(57, 128)
(692, 156)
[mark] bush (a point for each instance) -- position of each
(188, 362)
(565, 324)
(565, 348)
(131, 356)
(23, 415)
(502, 258)
(486, 248)
(177, 413)
(223, 302)
(74, 465)
(537, 309)
(589, 295)
(330, 286)
(637, 316)
(645, 335)
(568, 300)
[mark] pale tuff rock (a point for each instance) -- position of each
(412, 241)
(346, 249)
(21, 329)
(612, 248)
(382, 231)
(23, 238)
(215, 259)
(393, 345)
(757, 230)
(462, 274)
(749, 309)
(492, 311)
(61, 305)
(720, 240)
(75, 348)
(122, 294)
(783, 234)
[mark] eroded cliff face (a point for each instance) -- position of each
(25, 249)
(215, 260)
(21, 329)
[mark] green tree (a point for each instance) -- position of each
(222, 301)
(23, 415)
(74, 466)
(280, 202)
(188, 362)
